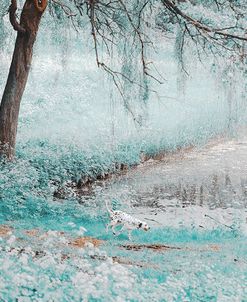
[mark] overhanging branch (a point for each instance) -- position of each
(199, 25)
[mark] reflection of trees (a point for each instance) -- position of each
(217, 191)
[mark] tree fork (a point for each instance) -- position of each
(18, 73)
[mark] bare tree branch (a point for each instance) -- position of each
(200, 26)
(66, 9)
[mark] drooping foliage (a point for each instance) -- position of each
(124, 37)
(212, 27)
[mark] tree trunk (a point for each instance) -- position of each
(19, 70)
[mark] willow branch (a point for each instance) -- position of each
(175, 10)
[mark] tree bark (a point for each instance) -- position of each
(18, 73)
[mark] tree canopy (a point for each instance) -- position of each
(134, 28)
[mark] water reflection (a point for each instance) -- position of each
(213, 177)
(215, 192)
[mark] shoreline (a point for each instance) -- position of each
(85, 185)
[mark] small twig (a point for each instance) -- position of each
(228, 226)
(66, 9)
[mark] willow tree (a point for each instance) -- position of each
(203, 23)
(27, 30)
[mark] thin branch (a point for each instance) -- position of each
(199, 25)
(66, 9)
